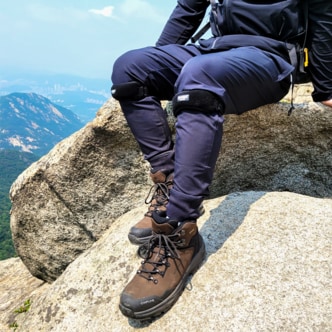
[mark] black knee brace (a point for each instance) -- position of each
(197, 100)
(129, 91)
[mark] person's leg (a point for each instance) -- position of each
(241, 79)
(141, 78)
(176, 249)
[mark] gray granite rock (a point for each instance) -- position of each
(64, 202)
(268, 268)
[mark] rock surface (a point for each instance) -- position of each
(268, 263)
(17, 285)
(268, 268)
(64, 202)
(267, 150)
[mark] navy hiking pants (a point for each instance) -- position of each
(244, 78)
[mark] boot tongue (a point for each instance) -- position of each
(162, 224)
(158, 177)
(161, 176)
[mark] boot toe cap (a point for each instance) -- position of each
(138, 308)
(139, 235)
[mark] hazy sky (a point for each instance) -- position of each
(81, 37)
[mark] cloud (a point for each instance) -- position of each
(106, 11)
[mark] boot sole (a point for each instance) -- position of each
(168, 302)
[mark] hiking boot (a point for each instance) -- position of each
(157, 197)
(175, 252)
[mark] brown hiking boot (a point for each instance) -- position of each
(174, 253)
(157, 197)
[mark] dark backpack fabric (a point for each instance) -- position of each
(281, 21)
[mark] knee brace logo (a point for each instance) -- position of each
(185, 97)
(197, 100)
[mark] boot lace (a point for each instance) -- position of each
(158, 196)
(160, 250)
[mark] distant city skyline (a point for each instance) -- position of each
(81, 37)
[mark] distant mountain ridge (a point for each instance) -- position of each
(84, 96)
(32, 123)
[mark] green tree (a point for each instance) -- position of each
(12, 163)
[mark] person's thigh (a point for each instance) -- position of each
(157, 68)
(245, 78)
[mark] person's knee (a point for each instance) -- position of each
(197, 100)
(124, 69)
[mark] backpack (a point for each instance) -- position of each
(284, 20)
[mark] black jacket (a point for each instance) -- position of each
(188, 15)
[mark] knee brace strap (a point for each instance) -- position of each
(197, 100)
(129, 91)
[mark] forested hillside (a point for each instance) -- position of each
(12, 163)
